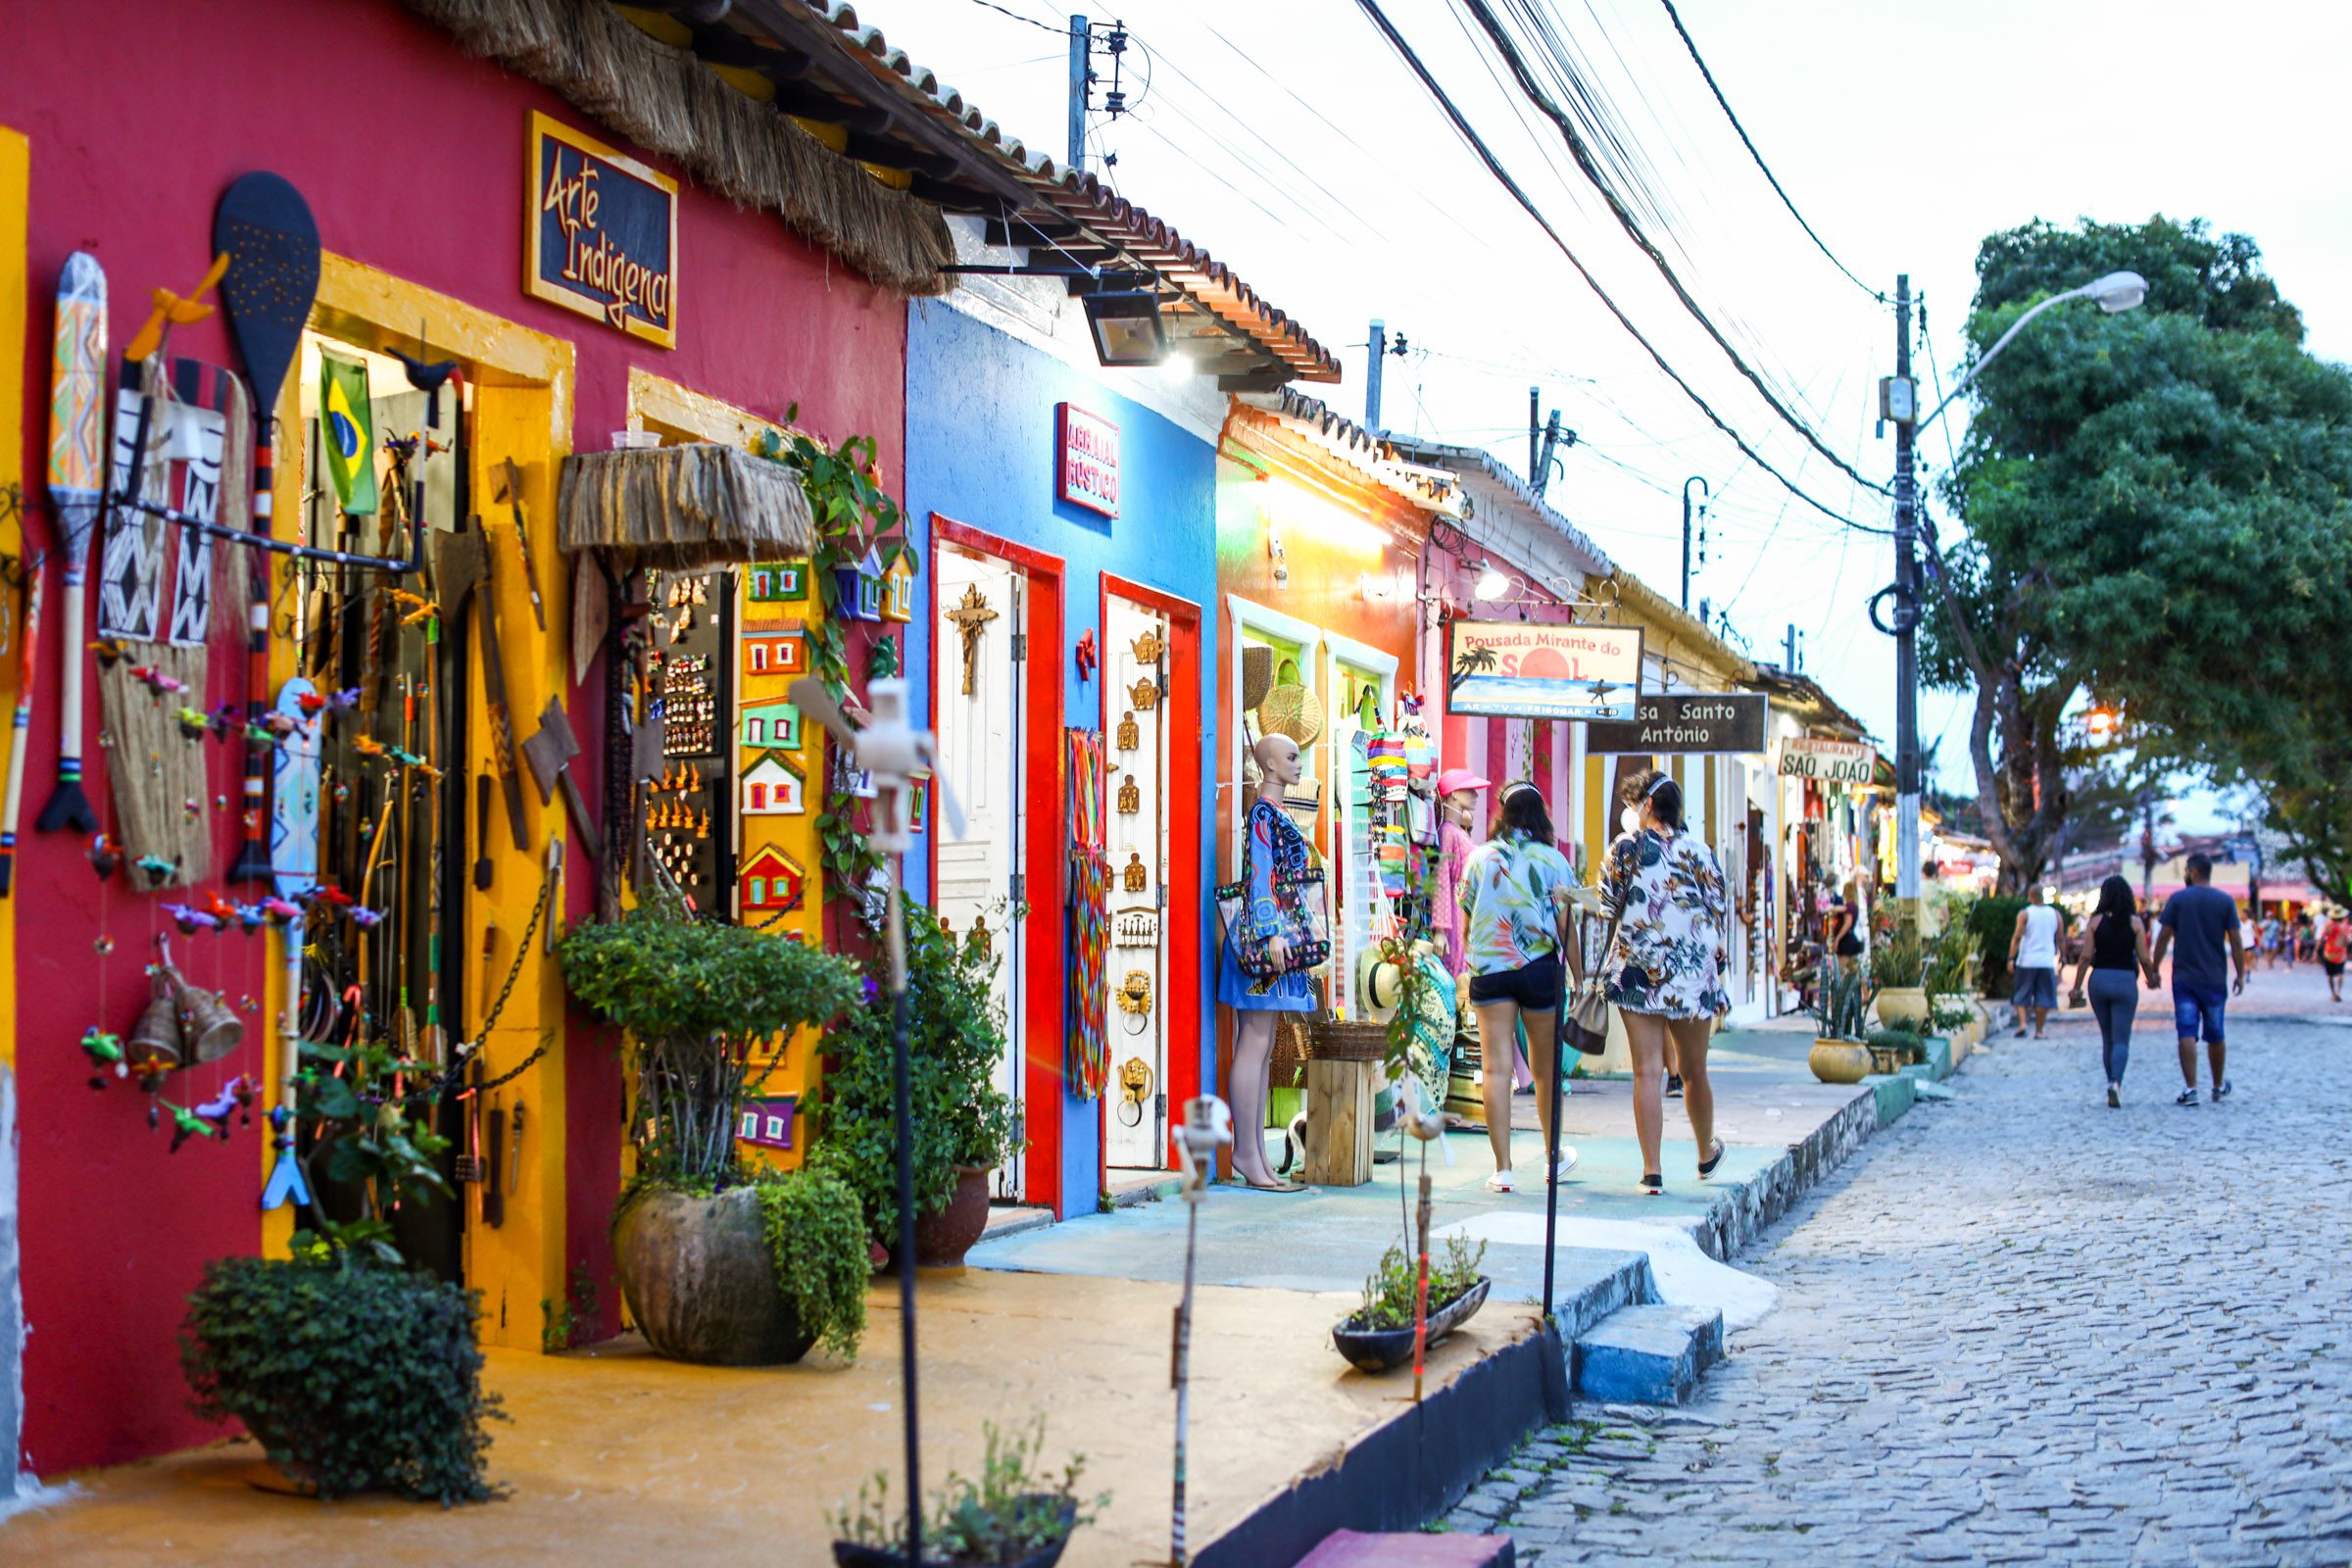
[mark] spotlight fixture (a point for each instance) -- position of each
(1127, 327)
(1491, 583)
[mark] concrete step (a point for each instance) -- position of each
(1652, 1354)
(1356, 1549)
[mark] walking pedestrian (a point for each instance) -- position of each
(1513, 897)
(1665, 970)
(2115, 956)
(2201, 917)
(2335, 939)
(2034, 960)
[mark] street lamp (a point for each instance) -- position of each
(1898, 399)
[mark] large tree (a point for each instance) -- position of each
(2155, 512)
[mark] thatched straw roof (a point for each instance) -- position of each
(670, 102)
(683, 508)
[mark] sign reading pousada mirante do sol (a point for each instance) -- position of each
(602, 233)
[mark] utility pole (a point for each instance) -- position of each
(1704, 490)
(1792, 659)
(1535, 437)
(1380, 352)
(1553, 443)
(1082, 77)
(1905, 413)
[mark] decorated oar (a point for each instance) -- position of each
(264, 228)
(77, 492)
(29, 665)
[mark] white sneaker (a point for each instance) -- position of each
(1500, 1182)
(1567, 1162)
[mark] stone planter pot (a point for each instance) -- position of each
(941, 1240)
(1383, 1349)
(700, 1281)
(1904, 1007)
(1839, 1061)
(849, 1554)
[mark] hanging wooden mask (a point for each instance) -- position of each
(1131, 797)
(1131, 734)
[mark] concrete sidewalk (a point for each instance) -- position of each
(614, 1455)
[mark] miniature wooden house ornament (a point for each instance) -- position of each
(770, 882)
(859, 587)
(768, 1124)
(772, 787)
(771, 725)
(774, 648)
(777, 582)
(897, 589)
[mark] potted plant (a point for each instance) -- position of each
(1379, 1334)
(963, 1124)
(707, 1009)
(1011, 1517)
(354, 1372)
(1899, 975)
(1893, 1049)
(1839, 1055)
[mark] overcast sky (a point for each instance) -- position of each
(1288, 138)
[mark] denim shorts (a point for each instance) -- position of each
(1534, 985)
(2195, 1006)
(2036, 988)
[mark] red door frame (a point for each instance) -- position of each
(1181, 797)
(1042, 860)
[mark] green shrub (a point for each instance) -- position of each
(1897, 959)
(954, 1042)
(1991, 920)
(1012, 1512)
(1909, 1042)
(815, 1234)
(1391, 1289)
(1948, 1017)
(356, 1379)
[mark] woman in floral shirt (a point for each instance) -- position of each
(1665, 970)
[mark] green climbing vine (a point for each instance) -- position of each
(852, 515)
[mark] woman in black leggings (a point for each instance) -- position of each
(2115, 958)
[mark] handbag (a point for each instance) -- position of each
(1585, 1020)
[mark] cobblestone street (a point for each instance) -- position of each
(2021, 1327)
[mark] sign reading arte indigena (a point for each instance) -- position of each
(1714, 722)
(1827, 762)
(602, 233)
(1527, 669)
(1089, 445)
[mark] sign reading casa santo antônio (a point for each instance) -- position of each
(600, 233)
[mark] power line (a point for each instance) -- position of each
(1046, 26)
(1503, 175)
(1582, 154)
(1747, 142)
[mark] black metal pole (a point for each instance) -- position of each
(904, 1093)
(1906, 630)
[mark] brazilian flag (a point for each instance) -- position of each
(347, 430)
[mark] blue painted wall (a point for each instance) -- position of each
(981, 450)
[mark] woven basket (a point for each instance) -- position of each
(1290, 1049)
(1257, 675)
(1291, 710)
(1333, 1041)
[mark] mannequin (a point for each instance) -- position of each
(1271, 839)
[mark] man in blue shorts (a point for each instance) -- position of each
(2200, 917)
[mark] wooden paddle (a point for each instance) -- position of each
(28, 665)
(264, 228)
(460, 562)
(76, 495)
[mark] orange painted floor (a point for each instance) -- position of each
(621, 1457)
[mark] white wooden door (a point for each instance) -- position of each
(1136, 1131)
(979, 726)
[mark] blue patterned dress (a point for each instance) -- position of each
(1274, 844)
(1670, 954)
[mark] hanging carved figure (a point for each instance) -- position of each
(971, 617)
(1144, 694)
(1131, 734)
(1131, 797)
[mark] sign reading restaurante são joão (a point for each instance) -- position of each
(1527, 669)
(1089, 448)
(1827, 762)
(602, 233)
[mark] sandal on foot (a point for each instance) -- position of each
(1653, 1185)
(1706, 1167)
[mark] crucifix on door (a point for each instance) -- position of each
(971, 615)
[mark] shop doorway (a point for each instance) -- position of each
(979, 639)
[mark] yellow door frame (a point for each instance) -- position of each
(15, 183)
(523, 384)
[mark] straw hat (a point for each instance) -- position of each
(1292, 710)
(1257, 675)
(1383, 987)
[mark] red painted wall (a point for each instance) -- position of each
(410, 154)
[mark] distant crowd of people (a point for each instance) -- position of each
(2119, 947)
